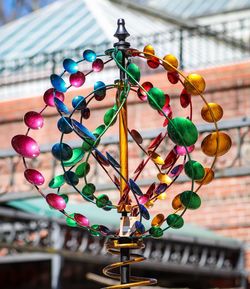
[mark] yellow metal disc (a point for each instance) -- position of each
(157, 220)
(162, 196)
(149, 204)
(194, 84)
(171, 59)
(212, 112)
(208, 177)
(164, 178)
(156, 158)
(216, 144)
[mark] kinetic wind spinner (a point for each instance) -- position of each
(134, 204)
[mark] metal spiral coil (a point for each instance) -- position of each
(113, 246)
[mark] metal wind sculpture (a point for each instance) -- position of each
(134, 203)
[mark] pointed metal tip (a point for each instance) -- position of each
(121, 34)
(120, 21)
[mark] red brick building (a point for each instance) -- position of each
(225, 202)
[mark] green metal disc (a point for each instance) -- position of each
(119, 56)
(65, 197)
(182, 131)
(109, 51)
(82, 170)
(190, 200)
(156, 95)
(70, 222)
(57, 182)
(88, 191)
(102, 201)
(95, 227)
(78, 154)
(123, 95)
(194, 170)
(156, 232)
(110, 113)
(175, 221)
(134, 70)
(95, 233)
(99, 130)
(88, 145)
(108, 207)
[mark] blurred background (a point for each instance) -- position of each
(212, 38)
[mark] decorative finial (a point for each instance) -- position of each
(121, 34)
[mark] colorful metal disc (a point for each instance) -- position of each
(34, 177)
(182, 131)
(26, 146)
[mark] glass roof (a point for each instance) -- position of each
(68, 24)
(196, 8)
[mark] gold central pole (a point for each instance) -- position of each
(121, 34)
(123, 135)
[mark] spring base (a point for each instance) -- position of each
(114, 246)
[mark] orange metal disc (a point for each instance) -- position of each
(194, 84)
(148, 49)
(176, 203)
(171, 59)
(212, 112)
(208, 177)
(216, 144)
(157, 220)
